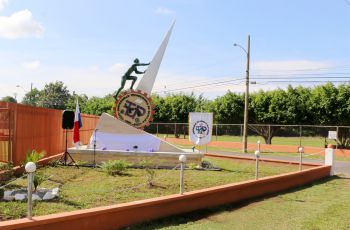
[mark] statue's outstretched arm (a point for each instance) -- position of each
(138, 72)
(143, 64)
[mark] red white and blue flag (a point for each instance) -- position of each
(77, 125)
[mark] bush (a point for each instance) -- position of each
(33, 156)
(114, 167)
(8, 172)
(150, 172)
(38, 179)
(206, 164)
(6, 166)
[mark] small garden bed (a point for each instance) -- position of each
(92, 187)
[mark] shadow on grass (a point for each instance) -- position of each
(69, 203)
(205, 213)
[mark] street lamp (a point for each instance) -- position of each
(31, 89)
(18, 86)
(245, 124)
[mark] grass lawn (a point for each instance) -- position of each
(305, 141)
(87, 187)
(323, 205)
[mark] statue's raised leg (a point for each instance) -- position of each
(120, 89)
(134, 79)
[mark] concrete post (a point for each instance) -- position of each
(301, 151)
(182, 159)
(257, 156)
(30, 168)
(329, 158)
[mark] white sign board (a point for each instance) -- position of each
(201, 126)
(332, 135)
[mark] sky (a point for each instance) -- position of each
(89, 44)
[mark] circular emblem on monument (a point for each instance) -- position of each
(200, 129)
(134, 108)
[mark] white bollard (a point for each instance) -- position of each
(30, 168)
(329, 158)
(259, 145)
(182, 159)
(301, 151)
(257, 156)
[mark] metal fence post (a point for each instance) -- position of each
(300, 133)
(175, 129)
(157, 129)
(336, 141)
(216, 132)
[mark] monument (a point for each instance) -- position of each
(122, 136)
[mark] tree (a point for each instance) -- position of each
(323, 104)
(9, 99)
(98, 105)
(54, 95)
(174, 107)
(228, 108)
(72, 101)
(277, 107)
(32, 98)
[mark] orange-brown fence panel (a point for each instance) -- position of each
(41, 129)
(5, 134)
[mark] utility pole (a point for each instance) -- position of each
(246, 97)
(246, 100)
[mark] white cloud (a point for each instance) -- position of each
(3, 3)
(19, 25)
(163, 10)
(289, 65)
(32, 65)
(118, 68)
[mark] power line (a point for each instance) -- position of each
(295, 81)
(202, 85)
(303, 74)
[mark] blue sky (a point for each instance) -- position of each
(89, 44)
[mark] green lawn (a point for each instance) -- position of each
(305, 141)
(323, 205)
(87, 187)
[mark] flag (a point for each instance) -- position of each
(77, 125)
(201, 125)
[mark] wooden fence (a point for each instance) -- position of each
(38, 128)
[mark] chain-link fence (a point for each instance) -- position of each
(294, 135)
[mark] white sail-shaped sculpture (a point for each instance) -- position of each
(148, 79)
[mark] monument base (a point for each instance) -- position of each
(157, 159)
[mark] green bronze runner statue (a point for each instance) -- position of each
(127, 76)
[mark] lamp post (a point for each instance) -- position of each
(182, 159)
(30, 168)
(31, 89)
(245, 124)
(257, 156)
(301, 151)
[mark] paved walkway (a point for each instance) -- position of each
(341, 167)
